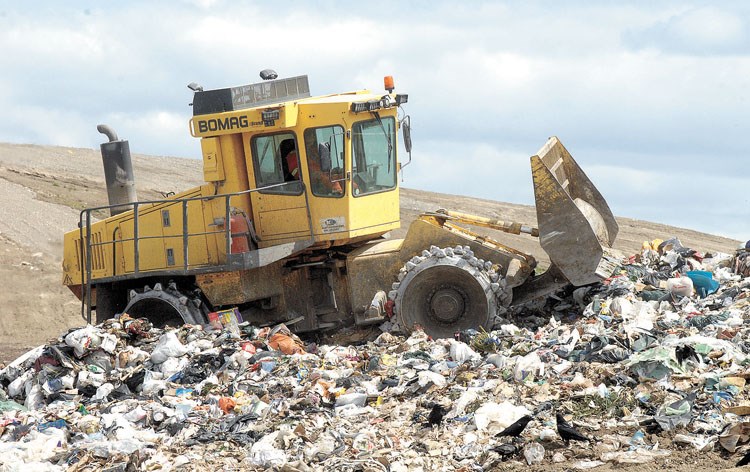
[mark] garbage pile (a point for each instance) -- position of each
(651, 361)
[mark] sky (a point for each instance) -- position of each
(650, 97)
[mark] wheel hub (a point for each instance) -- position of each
(447, 304)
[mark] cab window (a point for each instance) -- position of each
(373, 156)
(276, 161)
(324, 148)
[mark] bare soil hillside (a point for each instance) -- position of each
(43, 188)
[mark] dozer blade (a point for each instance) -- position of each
(576, 226)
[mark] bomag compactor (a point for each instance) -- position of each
(291, 225)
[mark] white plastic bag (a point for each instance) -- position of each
(528, 367)
(19, 384)
(152, 383)
(495, 417)
(427, 377)
(168, 346)
(90, 339)
(682, 286)
(263, 453)
(103, 391)
(461, 352)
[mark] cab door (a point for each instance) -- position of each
(279, 208)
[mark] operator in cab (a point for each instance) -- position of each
(289, 160)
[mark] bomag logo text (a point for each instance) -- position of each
(219, 124)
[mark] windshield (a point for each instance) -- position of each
(373, 155)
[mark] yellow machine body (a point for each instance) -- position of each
(289, 224)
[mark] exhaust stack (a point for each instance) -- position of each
(118, 171)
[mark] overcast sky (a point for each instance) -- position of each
(650, 97)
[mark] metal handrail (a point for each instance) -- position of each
(86, 276)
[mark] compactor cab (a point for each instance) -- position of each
(290, 224)
(317, 168)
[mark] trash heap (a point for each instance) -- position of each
(652, 361)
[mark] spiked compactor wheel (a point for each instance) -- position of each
(448, 290)
(163, 306)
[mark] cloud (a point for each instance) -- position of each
(149, 127)
(472, 169)
(640, 93)
(41, 125)
(705, 30)
(204, 4)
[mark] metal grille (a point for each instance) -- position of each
(79, 261)
(272, 91)
(97, 252)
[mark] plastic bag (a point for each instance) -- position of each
(18, 385)
(533, 453)
(263, 453)
(90, 339)
(674, 414)
(528, 367)
(703, 281)
(495, 417)
(103, 391)
(10, 405)
(34, 397)
(682, 286)
(461, 352)
(427, 377)
(281, 339)
(656, 363)
(285, 343)
(168, 346)
(357, 399)
(227, 404)
(637, 456)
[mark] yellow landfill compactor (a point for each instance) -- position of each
(291, 224)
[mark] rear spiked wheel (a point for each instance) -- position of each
(165, 306)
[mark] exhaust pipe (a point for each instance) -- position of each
(118, 172)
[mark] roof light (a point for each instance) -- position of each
(270, 116)
(388, 83)
(401, 98)
(370, 105)
(268, 74)
(359, 107)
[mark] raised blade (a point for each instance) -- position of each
(575, 223)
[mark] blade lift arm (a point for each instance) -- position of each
(511, 227)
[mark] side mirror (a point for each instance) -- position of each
(406, 133)
(324, 153)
